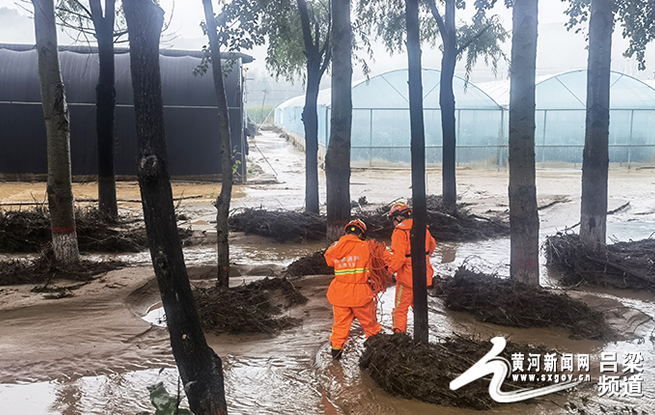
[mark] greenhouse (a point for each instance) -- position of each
(381, 133)
(190, 113)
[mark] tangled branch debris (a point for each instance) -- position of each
(252, 308)
(29, 231)
(309, 265)
(413, 370)
(445, 224)
(503, 302)
(283, 226)
(622, 265)
(43, 270)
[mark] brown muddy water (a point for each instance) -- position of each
(97, 356)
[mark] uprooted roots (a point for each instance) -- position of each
(44, 269)
(309, 265)
(252, 308)
(408, 368)
(503, 302)
(29, 231)
(622, 265)
(445, 224)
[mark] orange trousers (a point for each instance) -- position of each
(404, 299)
(343, 318)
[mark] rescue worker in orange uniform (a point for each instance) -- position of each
(401, 263)
(350, 293)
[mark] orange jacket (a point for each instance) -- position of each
(401, 261)
(350, 258)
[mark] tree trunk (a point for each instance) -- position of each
(105, 106)
(223, 200)
(310, 112)
(523, 216)
(310, 120)
(55, 114)
(200, 368)
(417, 234)
(447, 104)
(337, 159)
(593, 217)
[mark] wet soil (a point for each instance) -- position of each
(503, 302)
(627, 265)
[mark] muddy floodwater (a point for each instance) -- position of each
(95, 353)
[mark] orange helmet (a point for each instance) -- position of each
(399, 209)
(356, 225)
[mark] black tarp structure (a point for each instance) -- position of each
(190, 113)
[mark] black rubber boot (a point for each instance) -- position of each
(336, 354)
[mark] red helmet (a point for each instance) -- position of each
(356, 225)
(399, 209)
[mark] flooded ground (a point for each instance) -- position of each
(95, 354)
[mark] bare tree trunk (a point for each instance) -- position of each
(105, 107)
(417, 234)
(447, 106)
(223, 200)
(200, 368)
(593, 217)
(523, 216)
(337, 159)
(55, 114)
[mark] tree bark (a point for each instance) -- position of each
(417, 234)
(310, 112)
(595, 162)
(447, 105)
(223, 200)
(523, 216)
(105, 108)
(55, 114)
(337, 159)
(200, 368)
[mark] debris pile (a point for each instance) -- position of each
(283, 226)
(501, 301)
(252, 308)
(29, 231)
(309, 265)
(413, 370)
(622, 265)
(43, 269)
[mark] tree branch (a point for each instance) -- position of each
(437, 17)
(475, 37)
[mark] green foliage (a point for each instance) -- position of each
(637, 19)
(286, 55)
(479, 39)
(77, 17)
(237, 27)
(164, 403)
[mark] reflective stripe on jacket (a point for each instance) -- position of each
(350, 258)
(401, 261)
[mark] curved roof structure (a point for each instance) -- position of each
(389, 91)
(569, 91)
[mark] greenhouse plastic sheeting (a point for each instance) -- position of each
(381, 127)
